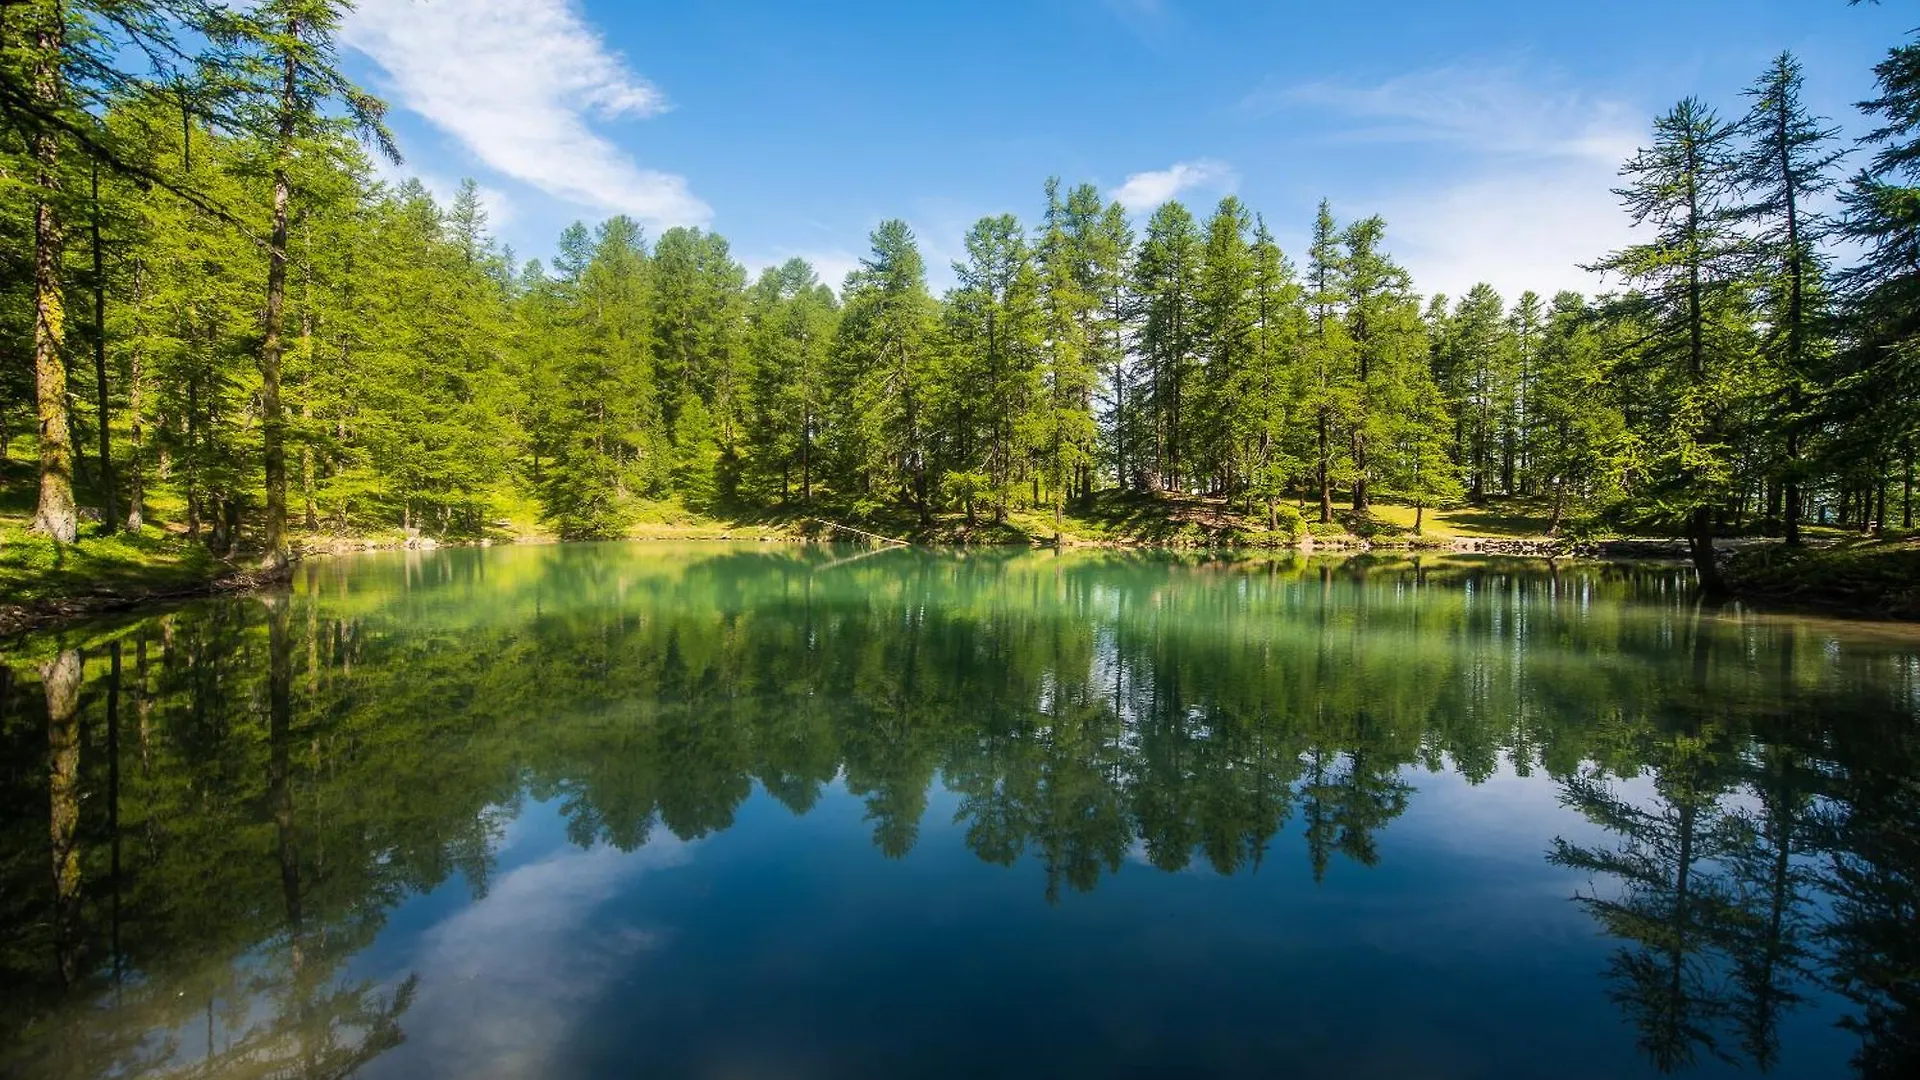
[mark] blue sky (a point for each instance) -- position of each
(1486, 132)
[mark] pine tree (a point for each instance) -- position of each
(1224, 320)
(287, 81)
(1689, 276)
(1069, 279)
(1524, 327)
(1388, 346)
(1328, 379)
(1786, 169)
(611, 441)
(1268, 431)
(1166, 280)
(1579, 443)
(998, 335)
(1474, 359)
(884, 359)
(791, 318)
(1110, 271)
(1876, 377)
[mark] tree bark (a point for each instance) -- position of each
(1700, 543)
(1360, 500)
(1906, 490)
(109, 514)
(1326, 469)
(273, 421)
(54, 516)
(136, 468)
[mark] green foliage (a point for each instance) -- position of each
(425, 381)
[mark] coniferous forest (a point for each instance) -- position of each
(217, 316)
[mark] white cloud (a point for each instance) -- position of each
(1147, 190)
(1522, 230)
(1522, 192)
(504, 981)
(517, 82)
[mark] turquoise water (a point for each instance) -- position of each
(758, 810)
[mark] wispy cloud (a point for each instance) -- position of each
(1147, 190)
(1517, 188)
(1494, 109)
(518, 83)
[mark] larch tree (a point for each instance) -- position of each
(1388, 342)
(1224, 316)
(884, 361)
(998, 331)
(1784, 173)
(1166, 282)
(1875, 380)
(1688, 287)
(1267, 391)
(1327, 382)
(288, 88)
(1069, 279)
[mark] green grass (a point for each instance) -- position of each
(34, 568)
(1879, 574)
(1505, 519)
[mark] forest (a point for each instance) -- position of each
(219, 318)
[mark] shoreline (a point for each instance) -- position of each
(17, 619)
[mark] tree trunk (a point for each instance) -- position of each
(1419, 519)
(1700, 542)
(136, 467)
(1880, 497)
(55, 514)
(1906, 490)
(806, 460)
(109, 514)
(1360, 500)
(1326, 470)
(273, 419)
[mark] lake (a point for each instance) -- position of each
(755, 810)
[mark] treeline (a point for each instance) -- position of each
(262, 330)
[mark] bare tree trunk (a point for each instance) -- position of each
(136, 467)
(54, 515)
(1360, 500)
(109, 514)
(1326, 470)
(273, 421)
(1700, 542)
(1906, 490)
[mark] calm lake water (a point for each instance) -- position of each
(768, 811)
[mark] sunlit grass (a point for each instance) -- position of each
(33, 567)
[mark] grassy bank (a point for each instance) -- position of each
(42, 581)
(1879, 576)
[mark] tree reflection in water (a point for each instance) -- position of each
(210, 812)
